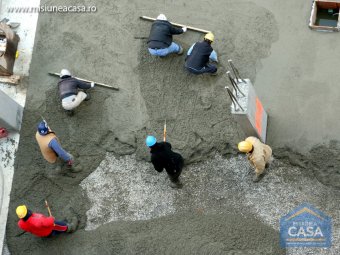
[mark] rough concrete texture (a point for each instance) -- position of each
(5, 250)
(181, 234)
(219, 210)
(216, 186)
(302, 75)
(11, 113)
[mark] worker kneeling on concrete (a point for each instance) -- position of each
(199, 56)
(259, 155)
(160, 39)
(70, 95)
(52, 150)
(41, 225)
(163, 157)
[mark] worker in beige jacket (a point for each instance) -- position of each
(52, 151)
(259, 155)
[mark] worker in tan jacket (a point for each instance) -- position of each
(259, 155)
(52, 150)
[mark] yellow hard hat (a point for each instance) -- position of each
(209, 36)
(245, 146)
(21, 211)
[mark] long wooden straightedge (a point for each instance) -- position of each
(97, 83)
(178, 25)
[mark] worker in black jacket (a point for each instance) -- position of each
(199, 55)
(160, 39)
(70, 95)
(162, 157)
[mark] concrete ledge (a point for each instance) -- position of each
(8, 146)
(11, 113)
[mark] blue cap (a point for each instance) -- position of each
(43, 128)
(150, 141)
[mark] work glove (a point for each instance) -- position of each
(70, 161)
(184, 29)
(92, 84)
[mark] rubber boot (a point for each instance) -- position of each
(180, 52)
(257, 178)
(176, 184)
(70, 228)
(88, 96)
(76, 169)
(70, 113)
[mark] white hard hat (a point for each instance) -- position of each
(65, 72)
(161, 17)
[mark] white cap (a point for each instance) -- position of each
(161, 17)
(65, 72)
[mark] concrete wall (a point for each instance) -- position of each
(253, 118)
(10, 113)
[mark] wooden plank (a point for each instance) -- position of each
(328, 1)
(324, 28)
(179, 25)
(314, 12)
(13, 79)
(327, 5)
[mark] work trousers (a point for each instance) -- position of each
(209, 68)
(59, 227)
(173, 48)
(174, 175)
(258, 172)
(71, 102)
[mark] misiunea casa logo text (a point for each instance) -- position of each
(306, 226)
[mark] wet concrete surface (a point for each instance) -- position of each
(123, 205)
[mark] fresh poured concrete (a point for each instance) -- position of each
(114, 124)
(299, 81)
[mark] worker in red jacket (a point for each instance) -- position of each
(40, 225)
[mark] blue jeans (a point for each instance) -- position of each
(173, 48)
(209, 68)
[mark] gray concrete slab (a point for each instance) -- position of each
(11, 113)
(299, 81)
(212, 187)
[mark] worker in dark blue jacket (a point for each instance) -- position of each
(199, 56)
(160, 39)
(71, 91)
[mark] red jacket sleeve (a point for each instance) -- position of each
(48, 222)
(22, 225)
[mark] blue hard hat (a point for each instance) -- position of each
(150, 141)
(43, 128)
